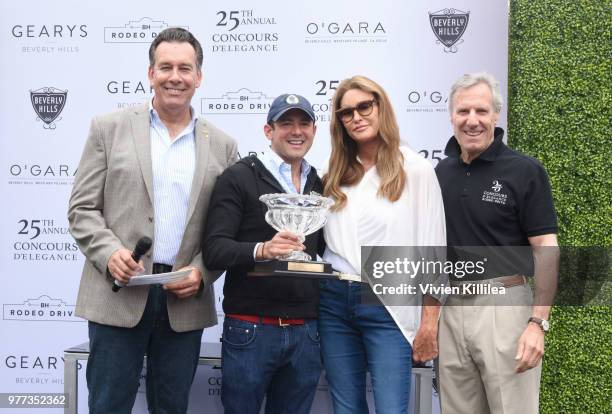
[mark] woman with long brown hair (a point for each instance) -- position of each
(385, 195)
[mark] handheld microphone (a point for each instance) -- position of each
(142, 247)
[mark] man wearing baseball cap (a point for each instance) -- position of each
(270, 337)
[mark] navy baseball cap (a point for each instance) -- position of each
(286, 102)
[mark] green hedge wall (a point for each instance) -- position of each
(559, 112)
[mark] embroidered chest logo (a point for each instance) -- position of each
(495, 196)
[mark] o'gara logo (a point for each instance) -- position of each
(449, 25)
(48, 103)
(342, 32)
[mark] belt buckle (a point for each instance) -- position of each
(280, 322)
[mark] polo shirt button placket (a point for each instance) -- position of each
(467, 174)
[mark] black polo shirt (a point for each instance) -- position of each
(500, 199)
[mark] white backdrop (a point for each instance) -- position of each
(92, 57)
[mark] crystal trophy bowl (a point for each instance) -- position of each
(301, 214)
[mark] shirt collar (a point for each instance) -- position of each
(281, 165)
(155, 115)
(490, 154)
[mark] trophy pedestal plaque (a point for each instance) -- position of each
(289, 268)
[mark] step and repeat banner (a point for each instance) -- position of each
(66, 61)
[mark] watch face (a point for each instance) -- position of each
(545, 325)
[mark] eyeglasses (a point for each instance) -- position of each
(364, 108)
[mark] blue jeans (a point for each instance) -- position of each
(116, 358)
(281, 363)
(359, 338)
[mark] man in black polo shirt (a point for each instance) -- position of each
(490, 355)
(270, 337)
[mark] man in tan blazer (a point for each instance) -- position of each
(148, 171)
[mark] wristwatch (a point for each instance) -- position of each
(543, 323)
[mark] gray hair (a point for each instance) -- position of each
(472, 79)
(177, 34)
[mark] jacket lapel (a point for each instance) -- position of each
(202, 146)
(266, 175)
(141, 124)
(312, 182)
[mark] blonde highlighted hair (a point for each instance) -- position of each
(344, 168)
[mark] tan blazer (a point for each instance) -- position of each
(111, 207)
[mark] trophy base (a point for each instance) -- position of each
(296, 256)
(293, 268)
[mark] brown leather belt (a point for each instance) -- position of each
(505, 281)
(267, 320)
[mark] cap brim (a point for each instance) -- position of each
(284, 111)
